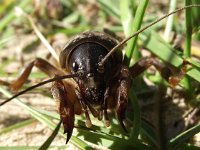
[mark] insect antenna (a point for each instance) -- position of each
(40, 84)
(102, 62)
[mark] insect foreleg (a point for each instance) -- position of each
(88, 122)
(65, 108)
(42, 64)
(122, 95)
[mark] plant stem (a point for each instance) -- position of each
(136, 26)
(187, 50)
(169, 24)
(160, 127)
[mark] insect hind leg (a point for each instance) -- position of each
(168, 74)
(144, 63)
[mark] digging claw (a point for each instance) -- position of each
(69, 133)
(66, 107)
(68, 121)
(121, 117)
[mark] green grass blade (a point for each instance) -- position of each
(148, 131)
(109, 7)
(48, 142)
(195, 16)
(154, 43)
(103, 135)
(135, 25)
(194, 73)
(170, 20)
(127, 16)
(193, 62)
(184, 136)
(188, 42)
(98, 126)
(160, 48)
(5, 40)
(113, 142)
(188, 24)
(16, 126)
(43, 119)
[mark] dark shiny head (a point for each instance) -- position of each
(82, 54)
(85, 59)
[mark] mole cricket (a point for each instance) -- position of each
(93, 77)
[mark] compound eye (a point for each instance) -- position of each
(75, 66)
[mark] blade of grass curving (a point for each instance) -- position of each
(154, 43)
(109, 8)
(33, 112)
(127, 16)
(194, 73)
(135, 26)
(48, 142)
(16, 126)
(71, 18)
(110, 141)
(43, 119)
(193, 62)
(97, 133)
(184, 136)
(11, 15)
(97, 126)
(149, 132)
(5, 40)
